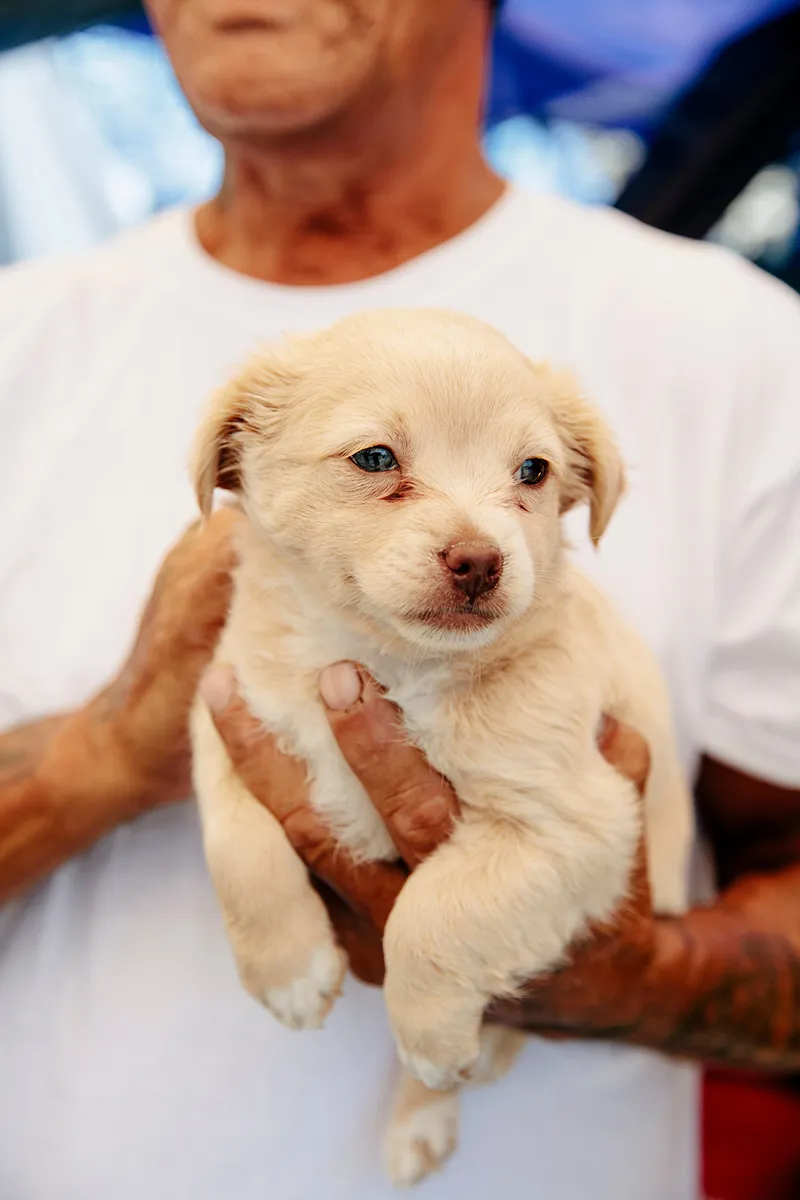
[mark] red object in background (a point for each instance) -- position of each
(751, 1137)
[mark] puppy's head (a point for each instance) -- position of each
(411, 467)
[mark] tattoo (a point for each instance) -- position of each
(744, 1010)
(720, 984)
(731, 998)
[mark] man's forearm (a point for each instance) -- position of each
(718, 985)
(725, 984)
(57, 797)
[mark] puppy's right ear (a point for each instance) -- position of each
(594, 470)
(245, 410)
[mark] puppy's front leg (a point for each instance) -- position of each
(496, 905)
(285, 950)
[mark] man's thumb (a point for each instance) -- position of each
(217, 687)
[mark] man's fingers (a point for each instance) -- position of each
(266, 772)
(626, 751)
(279, 783)
(211, 549)
(416, 803)
(370, 889)
(190, 600)
(357, 935)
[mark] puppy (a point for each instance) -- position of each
(403, 475)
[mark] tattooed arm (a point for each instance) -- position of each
(736, 965)
(67, 780)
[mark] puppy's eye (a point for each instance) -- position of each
(532, 471)
(375, 458)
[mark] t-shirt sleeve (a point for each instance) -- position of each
(753, 696)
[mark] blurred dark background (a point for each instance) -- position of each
(685, 113)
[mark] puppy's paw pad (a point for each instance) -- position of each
(420, 1145)
(438, 1076)
(305, 1003)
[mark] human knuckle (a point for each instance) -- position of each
(420, 816)
(309, 838)
(251, 753)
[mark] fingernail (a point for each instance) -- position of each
(340, 686)
(217, 687)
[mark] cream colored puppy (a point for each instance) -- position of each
(403, 475)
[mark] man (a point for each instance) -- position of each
(133, 1065)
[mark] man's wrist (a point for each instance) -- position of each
(662, 1000)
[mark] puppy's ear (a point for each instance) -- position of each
(594, 470)
(216, 454)
(246, 410)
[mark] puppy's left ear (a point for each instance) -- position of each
(246, 409)
(594, 470)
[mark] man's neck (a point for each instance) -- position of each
(369, 192)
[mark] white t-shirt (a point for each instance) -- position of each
(132, 1064)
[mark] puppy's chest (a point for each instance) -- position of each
(431, 718)
(480, 735)
(495, 732)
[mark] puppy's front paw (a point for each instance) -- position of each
(436, 1028)
(305, 1001)
(422, 1142)
(438, 1049)
(441, 1072)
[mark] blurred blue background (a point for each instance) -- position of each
(94, 134)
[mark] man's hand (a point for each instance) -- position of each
(67, 780)
(591, 993)
(146, 707)
(418, 807)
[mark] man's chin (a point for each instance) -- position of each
(266, 95)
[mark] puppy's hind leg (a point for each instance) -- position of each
(423, 1130)
(422, 1133)
(285, 950)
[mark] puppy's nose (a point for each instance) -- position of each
(475, 566)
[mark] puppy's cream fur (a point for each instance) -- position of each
(504, 697)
